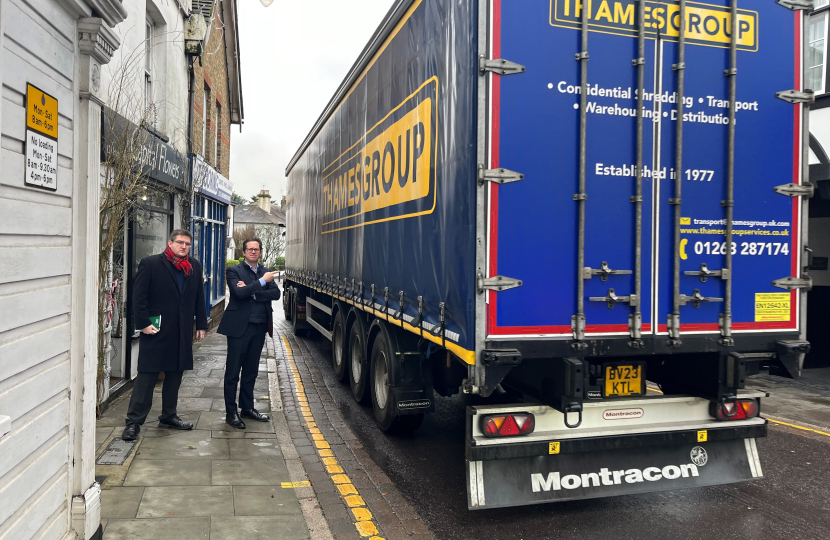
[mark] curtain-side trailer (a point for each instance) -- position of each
(556, 201)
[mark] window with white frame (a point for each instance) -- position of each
(817, 52)
(148, 67)
(820, 3)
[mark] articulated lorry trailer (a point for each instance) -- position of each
(590, 215)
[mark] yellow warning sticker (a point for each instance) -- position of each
(553, 448)
(702, 436)
(772, 307)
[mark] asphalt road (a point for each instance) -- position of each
(792, 501)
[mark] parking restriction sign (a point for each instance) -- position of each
(41, 139)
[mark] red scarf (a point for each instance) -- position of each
(180, 264)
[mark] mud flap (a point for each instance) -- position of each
(572, 476)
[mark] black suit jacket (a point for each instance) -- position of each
(156, 292)
(235, 320)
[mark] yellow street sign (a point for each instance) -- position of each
(41, 112)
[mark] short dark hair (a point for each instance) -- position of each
(180, 232)
(245, 243)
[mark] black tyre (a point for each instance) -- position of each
(339, 347)
(296, 331)
(386, 416)
(358, 368)
(286, 304)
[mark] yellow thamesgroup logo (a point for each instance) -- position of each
(390, 166)
(705, 24)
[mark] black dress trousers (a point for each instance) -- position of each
(243, 355)
(142, 398)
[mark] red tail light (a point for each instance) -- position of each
(300, 309)
(508, 425)
(735, 410)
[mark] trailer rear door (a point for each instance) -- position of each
(534, 128)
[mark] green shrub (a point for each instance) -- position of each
(231, 262)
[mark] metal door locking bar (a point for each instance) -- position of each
(696, 299)
(603, 272)
(611, 298)
(578, 320)
(705, 273)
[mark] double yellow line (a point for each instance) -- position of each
(362, 516)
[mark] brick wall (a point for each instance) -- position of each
(212, 78)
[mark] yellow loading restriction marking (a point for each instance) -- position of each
(354, 500)
(553, 448)
(702, 436)
(304, 483)
(362, 516)
(366, 528)
(347, 489)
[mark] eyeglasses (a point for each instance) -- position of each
(185, 244)
(253, 250)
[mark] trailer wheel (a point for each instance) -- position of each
(286, 303)
(296, 331)
(339, 354)
(358, 368)
(386, 416)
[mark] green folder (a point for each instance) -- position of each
(155, 320)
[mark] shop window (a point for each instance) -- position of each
(152, 224)
(209, 231)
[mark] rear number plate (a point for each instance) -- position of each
(624, 380)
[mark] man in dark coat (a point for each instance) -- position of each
(168, 295)
(248, 317)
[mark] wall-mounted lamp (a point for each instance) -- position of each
(267, 3)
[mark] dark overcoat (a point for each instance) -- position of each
(155, 292)
(235, 320)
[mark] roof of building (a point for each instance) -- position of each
(279, 214)
(254, 215)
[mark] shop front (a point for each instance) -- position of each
(210, 225)
(157, 189)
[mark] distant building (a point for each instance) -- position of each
(264, 221)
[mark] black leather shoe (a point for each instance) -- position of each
(255, 415)
(233, 420)
(176, 423)
(130, 432)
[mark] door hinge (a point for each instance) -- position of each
(796, 5)
(796, 190)
(497, 283)
(796, 96)
(499, 66)
(497, 176)
(705, 273)
(792, 283)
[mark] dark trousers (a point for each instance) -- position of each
(243, 355)
(142, 398)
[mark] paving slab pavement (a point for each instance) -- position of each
(211, 482)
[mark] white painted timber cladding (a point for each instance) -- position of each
(38, 47)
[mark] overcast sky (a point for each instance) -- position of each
(294, 55)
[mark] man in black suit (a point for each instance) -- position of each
(247, 319)
(168, 286)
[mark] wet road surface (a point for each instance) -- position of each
(791, 502)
